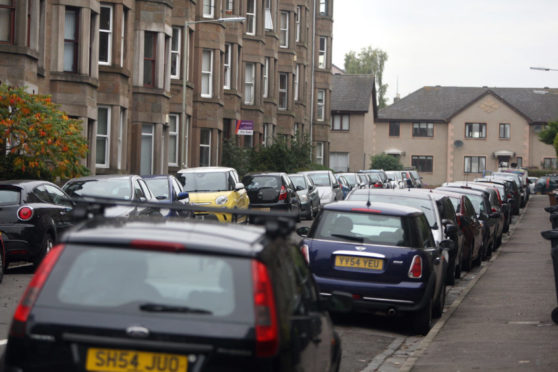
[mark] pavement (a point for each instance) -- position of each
(503, 323)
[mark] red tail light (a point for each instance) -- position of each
(283, 193)
(415, 272)
(493, 209)
(25, 213)
(32, 292)
(267, 334)
(378, 184)
(305, 252)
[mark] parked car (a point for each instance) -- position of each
(308, 194)
(532, 181)
(445, 232)
(354, 180)
(513, 193)
(33, 215)
(161, 294)
(327, 185)
(343, 184)
(113, 186)
(396, 180)
(506, 199)
(167, 189)
(518, 180)
(409, 179)
(216, 187)
(546, 184)
(383, 254)
(417, 178)
(381, 175)
(489, 219)
(272, 191)
(470, 226)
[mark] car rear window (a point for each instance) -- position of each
(320, 179)
(298, 181)
(118, 279)
(204, 181)
(260, 182)
(159, 187)
(8, 197)
(118, 188)
(361, 228)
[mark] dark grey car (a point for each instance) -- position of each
(308, 194)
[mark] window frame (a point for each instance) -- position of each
(323, 8)
(284, 29)
(148, 135)
(74, 43)
(11, 23)
(283, 101)
(108, 31)
(296, 77)
(470, 130)
(227, 65)
(207, 74)
(105, 137)
(298, 16)
(322, 52)
(427, 131)
(176, 54)
(251, 15)
(320, 148)
(423, 163)
(268, 15)
(123, 37)
(506, 131)
(176, 135)
(468, 168)
(340, 126)
(265, 78)
(249, 83)
(320, 105)
(211, 4)
(150, 59)
(394, 126)
(553, 162)
(229, 7)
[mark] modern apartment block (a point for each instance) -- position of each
(159, 85)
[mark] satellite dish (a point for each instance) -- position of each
(458, 143)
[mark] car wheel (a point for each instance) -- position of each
(438, 307)
(46, 246)
(422, 319)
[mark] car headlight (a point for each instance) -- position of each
(221, 200)
(303, 198)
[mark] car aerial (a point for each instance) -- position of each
(215, 187)
(327, 185)
(470, 226)
(154, 294)
(33, 215)
(480, 200)
(445, 231)
(381, 175)
(383, 254)
(308, 194)
(272, 191)
(167, 189)
(113, 186)
(546, 184)
(343, 184)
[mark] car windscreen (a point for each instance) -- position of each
(118, 188)
(159, 187)
(205, 181)
(320, 179)
(425, 205)
(361, 228)
(131, 281)
(298, 181)
(9, 196)
(260, 182)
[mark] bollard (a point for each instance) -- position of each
(552, 235)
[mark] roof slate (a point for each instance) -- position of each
(442, 103)
(351, 92)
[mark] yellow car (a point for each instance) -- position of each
(215, 187)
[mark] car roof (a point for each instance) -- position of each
(24, 183)
(240, 240)
(409, 192)
(104, 176)
(464, 189)
(375, 207)
(205, 169)
(265, 174)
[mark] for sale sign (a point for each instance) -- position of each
(244, 127)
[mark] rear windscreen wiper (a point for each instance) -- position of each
(349, 237)
(161, 308)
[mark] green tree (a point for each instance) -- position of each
(385, 162)
(549, 135)
(369, 61)
(37, 140)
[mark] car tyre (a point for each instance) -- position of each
(467, 264)
(46, 246)
(554, 315)
(422, 319)
(438, 307)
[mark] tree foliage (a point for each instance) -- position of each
(369, 61)
(281, 156)
(385, 162)
(549, 135)
(37, 140)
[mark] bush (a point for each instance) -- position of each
(385, 162)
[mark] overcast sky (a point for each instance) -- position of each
(452, 42)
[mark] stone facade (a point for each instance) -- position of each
(119, 65)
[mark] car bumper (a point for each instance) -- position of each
(370, 297)
(21, 241)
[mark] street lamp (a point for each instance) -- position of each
(543, 69)
(185, 138)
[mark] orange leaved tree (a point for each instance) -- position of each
(37, 140)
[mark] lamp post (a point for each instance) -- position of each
(543, 68)
(185, 137)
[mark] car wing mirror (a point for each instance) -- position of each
(183, 195)
(299, 188)
(238, 186)
(451, 230)
(303, 231)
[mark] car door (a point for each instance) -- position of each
(49, 213)
(63, 219)
(243, 201)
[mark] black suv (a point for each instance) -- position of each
(149, 293)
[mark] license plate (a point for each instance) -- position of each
(359, 262)
(112, 360)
